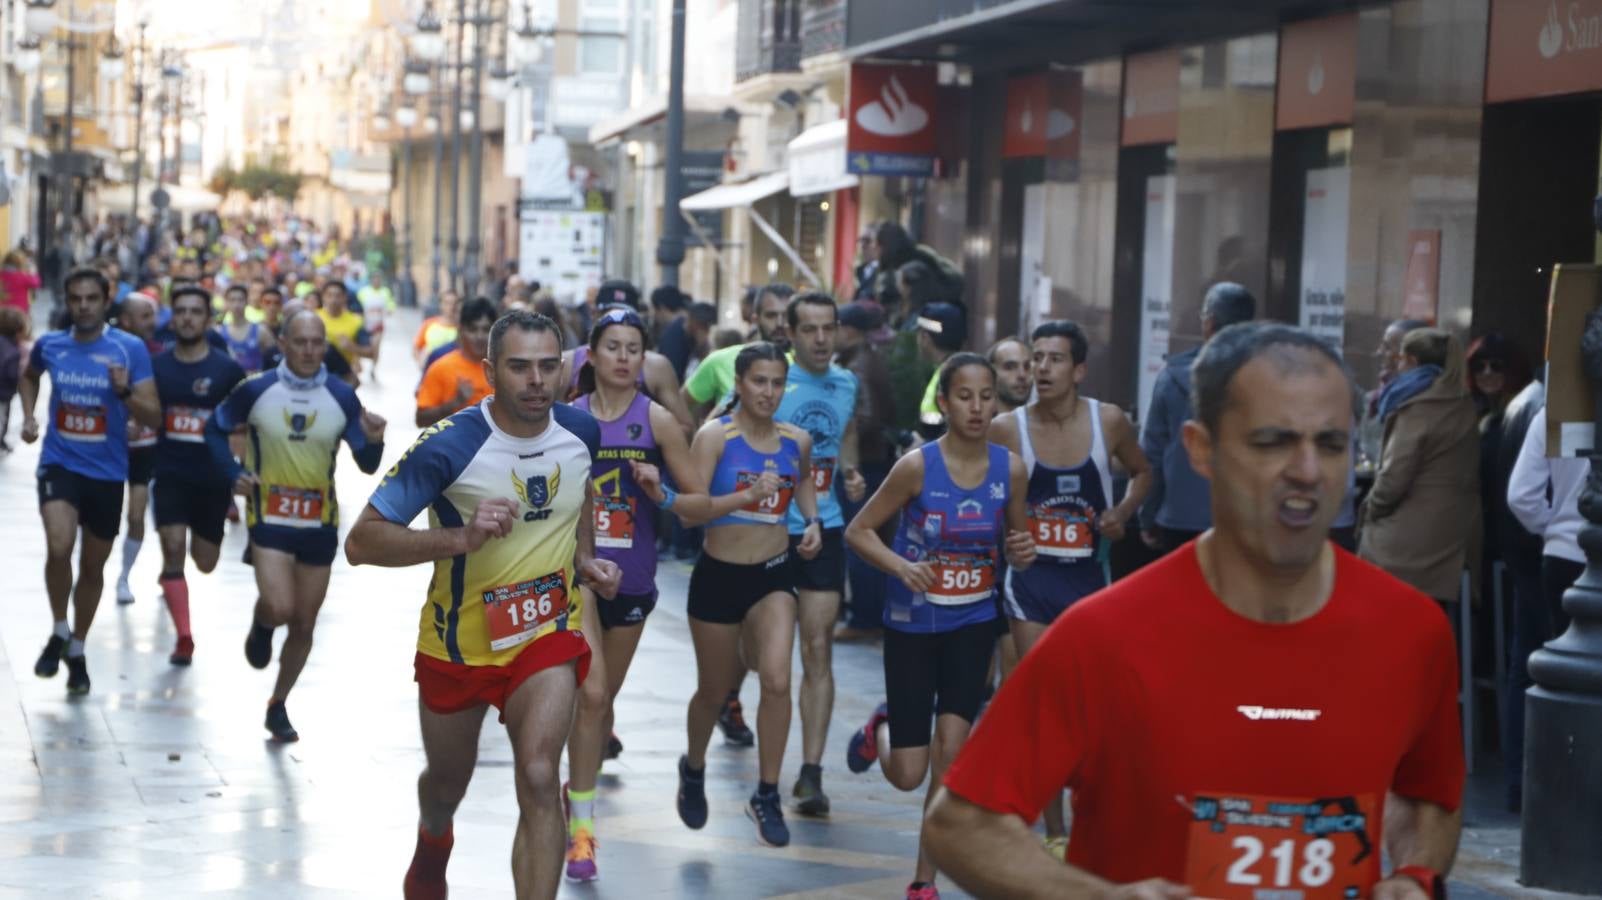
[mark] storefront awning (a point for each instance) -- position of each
(817, 160)
(183, 199)
(737, 195)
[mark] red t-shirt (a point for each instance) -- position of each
(1174, 721)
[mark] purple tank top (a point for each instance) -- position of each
(581, 355)
(625, 518)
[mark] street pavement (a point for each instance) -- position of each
(161, 781)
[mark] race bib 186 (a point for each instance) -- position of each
(516, 613)
(1248, 847)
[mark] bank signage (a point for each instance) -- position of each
(1151, 98)
(891, 128)
(1317, 73)
(1543, 48)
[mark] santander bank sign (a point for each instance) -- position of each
(892, 126)
(1543, 48)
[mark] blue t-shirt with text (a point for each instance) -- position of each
(88, 428)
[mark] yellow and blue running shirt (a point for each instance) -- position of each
(484, 607)
(292, 440)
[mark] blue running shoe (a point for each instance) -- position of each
(692, 794)
(769, 818)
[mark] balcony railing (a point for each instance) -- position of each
(823, 27)
(769, 38)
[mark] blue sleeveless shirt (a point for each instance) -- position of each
(960, 531)
(741, 465)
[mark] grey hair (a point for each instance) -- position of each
(1292, 349)
(1228, 303)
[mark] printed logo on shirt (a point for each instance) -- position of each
(933, 524)
(1067, 484)
(998, 491)
(201, 387)
(970, 509)
(1263, 713)
(635, 431)
(537, 492)
(298, 423)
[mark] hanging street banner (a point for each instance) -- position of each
(1156, 285)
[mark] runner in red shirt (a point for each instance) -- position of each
(1242, 716)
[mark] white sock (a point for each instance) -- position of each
(130, 552)
(75, 647)
(62, 630)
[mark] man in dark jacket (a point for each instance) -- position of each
(1521, 552)
(1180, 504)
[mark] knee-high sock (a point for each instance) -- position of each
(176, 592)
(130, 553)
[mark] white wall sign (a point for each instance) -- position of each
(563, 250)
(1156, 285)
(1323, 300)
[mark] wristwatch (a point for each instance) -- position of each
(1429, 879)
(813, 520)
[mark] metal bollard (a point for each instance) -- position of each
(1562, 833)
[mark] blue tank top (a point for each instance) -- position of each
(1064, 505)
(624, 517)
(959, 531)
(741, 465)
(246, 352)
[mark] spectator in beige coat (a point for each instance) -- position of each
(1421, 520)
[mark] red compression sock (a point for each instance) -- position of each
(176, 592)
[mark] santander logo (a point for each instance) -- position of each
(1551, 40)
(893, 114)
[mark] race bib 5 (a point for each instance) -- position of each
(614, 521)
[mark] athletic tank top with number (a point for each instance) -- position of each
(741, 465)
(624, 517)
(1063, 508)
(959, 531)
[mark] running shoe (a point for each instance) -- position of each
(922, 890)
(808, 792)
(77, 675)
(769, 818)
(259, 645)
(124, 592)
(50, 660)
(863, 750)
(1057, 846)
(278, 723)
(614, 747)
(732, 721)
(184, 653)
(581, 857)
(692, 795)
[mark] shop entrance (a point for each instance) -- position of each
(1539, 169)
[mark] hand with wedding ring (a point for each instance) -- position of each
(494, 517)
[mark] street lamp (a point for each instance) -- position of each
(428, 42)
(29, 56)
(416, 81)
(112, 66)
(500, 82)
(530, 41)
(39, 19)
(380, 121)
(405, 117)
